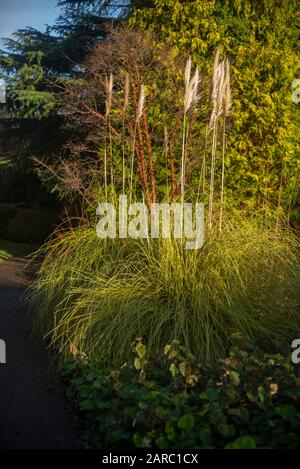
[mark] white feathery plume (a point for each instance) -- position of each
(221, 92)
(195, 95)
(187, 74)
(221, 97)
(109, 89)
(191, 92)
(190, 99)
(217, 90)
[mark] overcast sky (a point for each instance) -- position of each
(16, 14)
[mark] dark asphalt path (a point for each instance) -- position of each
(33, 412)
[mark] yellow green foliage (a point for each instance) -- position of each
(260, 38)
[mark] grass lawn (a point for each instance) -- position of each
(9, 249)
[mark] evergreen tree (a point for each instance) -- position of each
(29, 61)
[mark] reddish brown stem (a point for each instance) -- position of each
(148, 145)
(140, 146)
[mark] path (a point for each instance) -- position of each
(33, 412)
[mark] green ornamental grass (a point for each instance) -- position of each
(99, 295)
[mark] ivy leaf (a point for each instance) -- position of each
(141, 350)
(183, 369)
(244, 442)
(87, 405)
(286, 411)
(174, 370)
(273, 389)
(137, 363)
(192, 380)
(235, 377)
(161, 442)
(261, 393)
(137, 440)
(186, 422)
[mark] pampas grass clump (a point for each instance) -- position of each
(99, 295)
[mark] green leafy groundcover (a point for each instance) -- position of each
(244, 401)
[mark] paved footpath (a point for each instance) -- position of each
(33, 412)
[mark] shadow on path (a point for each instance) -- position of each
(33, 412)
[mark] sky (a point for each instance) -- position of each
(17, 14)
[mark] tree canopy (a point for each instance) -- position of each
(260, 38)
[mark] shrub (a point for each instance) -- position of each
(7, 212)
(30, 225)
(243, 401)
(101, 294)
(260, 39)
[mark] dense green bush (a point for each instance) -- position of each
(30, 225)
(260, 37)
(243, 401)
(7, 212)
